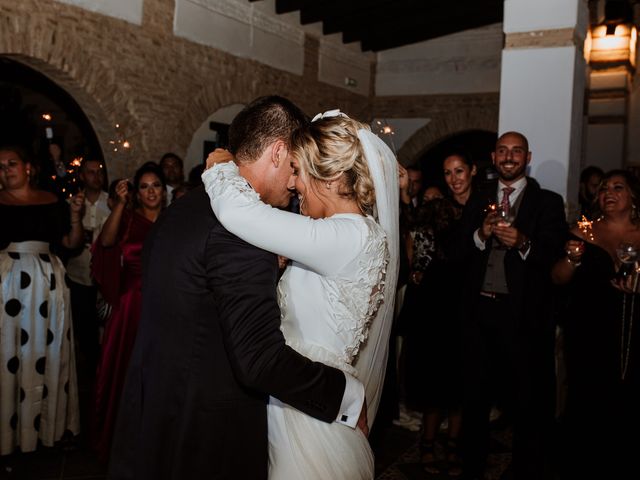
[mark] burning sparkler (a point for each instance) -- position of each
(586, 227)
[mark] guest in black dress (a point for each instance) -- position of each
(603, 374)
(433, 340)
(38, 390)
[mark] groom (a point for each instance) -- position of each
(209, 349)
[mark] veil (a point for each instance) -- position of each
(371, 362)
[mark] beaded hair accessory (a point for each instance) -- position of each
(329, 114)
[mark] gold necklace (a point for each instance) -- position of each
(625, 352)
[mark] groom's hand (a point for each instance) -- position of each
(362, 420)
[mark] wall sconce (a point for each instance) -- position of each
(610, 45)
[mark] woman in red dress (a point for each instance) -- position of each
(117, 266)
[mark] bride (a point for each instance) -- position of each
(337, 295)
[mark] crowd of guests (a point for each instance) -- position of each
(70, 268)
(508, 311)
(494, 278)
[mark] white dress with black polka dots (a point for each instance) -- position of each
(38, 394)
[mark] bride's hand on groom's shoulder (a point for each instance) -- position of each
(219, 155)
(363, 424)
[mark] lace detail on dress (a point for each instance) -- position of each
(350, 303)
(225, 178)
(356, 301)
(372, 269)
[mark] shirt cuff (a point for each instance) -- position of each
(476, 239)
(352, 402)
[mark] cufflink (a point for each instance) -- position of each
(344, 418)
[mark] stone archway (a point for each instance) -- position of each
(210, 99)
(219, 94)
(243, 89)
(444, 126)
(55, 54)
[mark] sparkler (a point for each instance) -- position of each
(383, 128)
(119, 141)
(586, 227)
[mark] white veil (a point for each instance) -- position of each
(372, 359)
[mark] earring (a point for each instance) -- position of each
(634, 212)
(328, 185)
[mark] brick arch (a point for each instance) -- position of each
(445, 126)
(223, 92)
(216, 95)
(230, 88)
(55, 53)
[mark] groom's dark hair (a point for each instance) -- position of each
(262, 122)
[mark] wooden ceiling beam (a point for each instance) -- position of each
(383, 24)
(328, 10)
(399, 37)
(400, 12)
(287, 6)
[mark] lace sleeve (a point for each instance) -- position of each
(323, 245)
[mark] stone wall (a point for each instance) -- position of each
(160, 88)
(448, 115)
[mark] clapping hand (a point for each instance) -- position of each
(403, 183)
(488, 224)
(508, 235)
(219, 155)
(122, 191)
(77, 203)
(403, 177)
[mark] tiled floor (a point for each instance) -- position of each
(407, 466)
(52, 464)
(396, 459)
(395, 449)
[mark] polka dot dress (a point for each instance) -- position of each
(38, 394)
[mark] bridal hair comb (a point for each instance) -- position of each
(329, 114)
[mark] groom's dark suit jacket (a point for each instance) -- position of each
(208, 352)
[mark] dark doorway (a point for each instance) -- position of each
(478, 143)
(35, 112)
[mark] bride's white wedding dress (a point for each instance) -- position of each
(328, 297)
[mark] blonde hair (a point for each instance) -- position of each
(329, 150)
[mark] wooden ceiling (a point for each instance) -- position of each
(383, 24)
